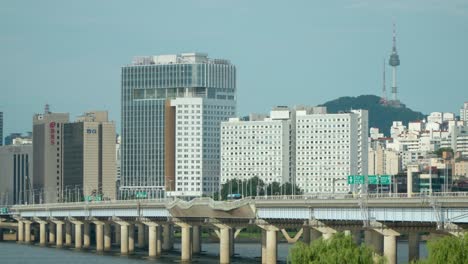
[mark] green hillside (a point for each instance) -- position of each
(379, 115)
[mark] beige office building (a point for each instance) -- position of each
(48, 155)
(90, 158)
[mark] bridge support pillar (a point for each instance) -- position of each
(52, 232)
(378, 243)
(141, 235)
(59, 234)
(123, 238)
(27, 232)
(272, 251)
(390, 248)
(20, 233)
(86, 235)
(42, 234)
(224, 245)
(117, 234)
(306, 234)
(107, 237)
(159, 240)
(231, 242)
(1, 234)
(196, 242)
(68, 233)
(78, 237)
(186, 245)
(356, 236)
(131, 238)
(374, 240)
(99, 236)
(413, 246)
(167, 237)
(152, 248)
(264, 246)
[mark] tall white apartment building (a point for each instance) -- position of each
(464, 113)
(329, 147)
(307, 146)
(257, 147)
(197, 139)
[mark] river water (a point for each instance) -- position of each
(10, 252)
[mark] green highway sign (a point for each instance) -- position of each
(372, 179)
(356, 179)
(385, 179)
(4, 210)
(141, 195)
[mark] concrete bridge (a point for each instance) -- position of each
(381, 220)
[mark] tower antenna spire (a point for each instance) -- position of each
(394, 61)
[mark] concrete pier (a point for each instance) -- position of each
(196, 241)
(167, 237)
(152, 248)
(68, 234)
(78, 237)
(159, 240)
(271, 248)
(224, 245)
(306, 234)
(27, 232)
(123, 239)
(264, 247)
(52, 231)
(131, 238)
(118, 236)
(59, 234)
(141, 235)
(356, 236)
(99, 237)
(390, 249)
(186, 245)
(413, 246)
(107, 237)
(20, 234)
(86, 235)
(42, 235)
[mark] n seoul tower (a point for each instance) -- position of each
(394, 61)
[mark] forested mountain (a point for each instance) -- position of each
(380, 116)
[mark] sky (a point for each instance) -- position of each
(69, 53)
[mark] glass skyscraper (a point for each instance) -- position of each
(172, 107)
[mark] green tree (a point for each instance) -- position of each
(340, 249)
(441, 150)
(256, 187)
(447, 250)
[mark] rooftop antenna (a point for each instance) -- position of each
(47, 109)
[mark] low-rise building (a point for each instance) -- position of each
(16, 175)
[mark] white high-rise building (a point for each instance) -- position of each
(464, 113)
(172, 107)
(257, 147)
(313, 149)
(329, 147)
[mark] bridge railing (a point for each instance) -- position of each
(327, 196)
(110, 202)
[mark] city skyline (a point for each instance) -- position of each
(62, 53)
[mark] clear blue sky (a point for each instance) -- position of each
(69, 53)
